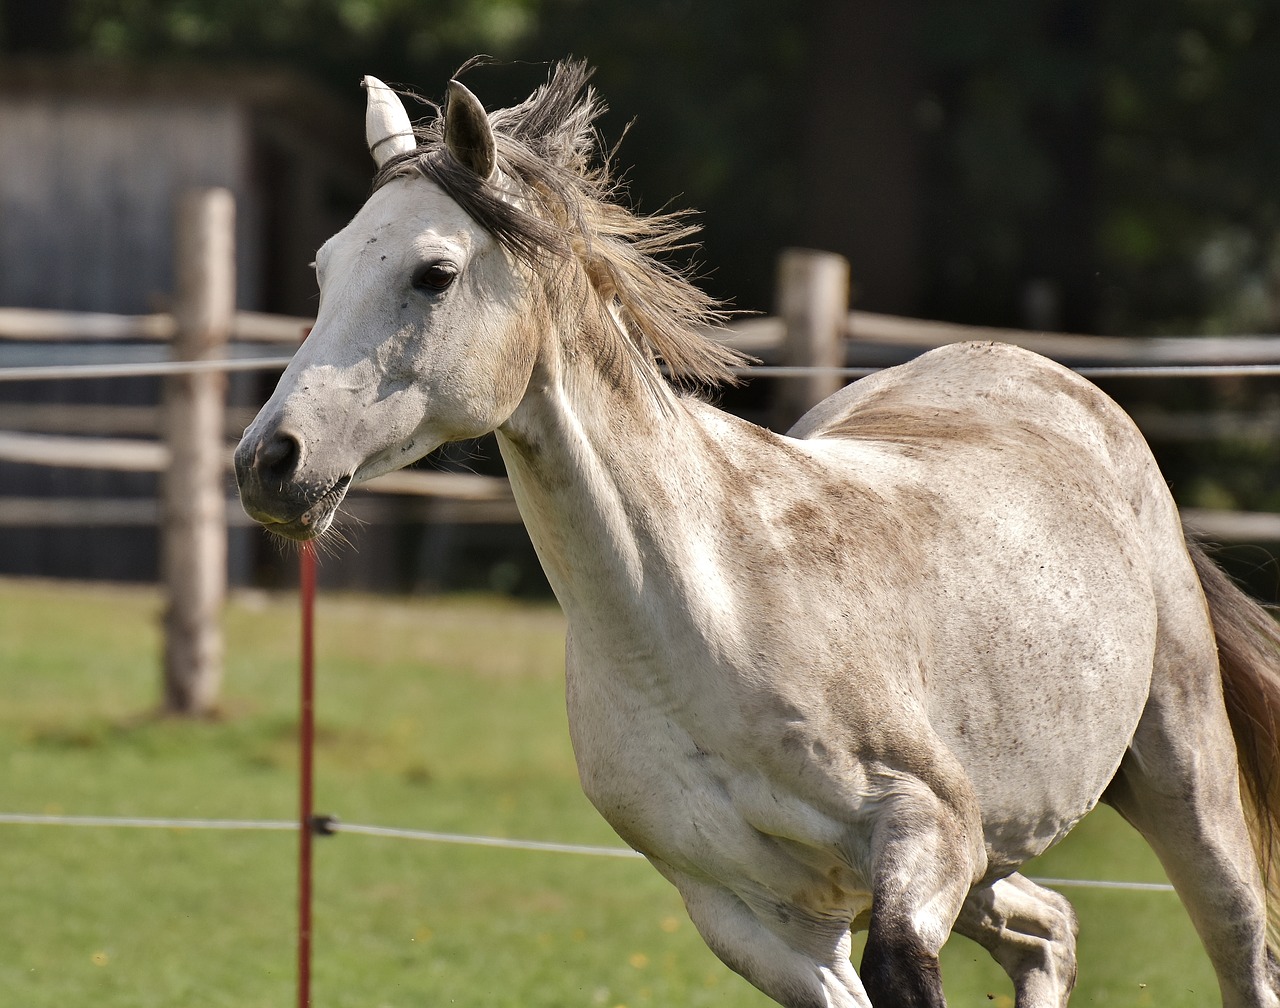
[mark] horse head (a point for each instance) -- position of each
(491, 250)
(424, 332)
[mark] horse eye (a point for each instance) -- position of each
(435, 277)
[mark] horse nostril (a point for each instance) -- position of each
(278, 457)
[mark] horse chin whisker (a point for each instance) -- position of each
(286, 546)
(331, 542)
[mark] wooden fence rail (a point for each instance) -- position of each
(813, 329)
(37, 325)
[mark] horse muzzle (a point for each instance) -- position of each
(278, 492)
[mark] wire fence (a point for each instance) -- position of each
(330, 826)
(1087, 371)
(326, 824)
(309, 824)
(152, 369)
(59, 372)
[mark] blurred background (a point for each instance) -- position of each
(1105, 169)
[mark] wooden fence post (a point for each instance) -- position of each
(813, 302)
(193, 508)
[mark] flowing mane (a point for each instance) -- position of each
(552, 196)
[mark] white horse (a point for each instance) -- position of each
(851, 677)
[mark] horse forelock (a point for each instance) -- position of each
(554, 199)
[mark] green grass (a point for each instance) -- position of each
(440, 714)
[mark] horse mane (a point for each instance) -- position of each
(553, 198)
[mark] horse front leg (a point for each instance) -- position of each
(924, 860)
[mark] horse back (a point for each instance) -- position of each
(973, 393)
(998, 419)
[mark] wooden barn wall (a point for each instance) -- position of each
(87, 189)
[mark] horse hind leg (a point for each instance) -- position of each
(1031, 932)
(1178, 785)
(1201, 839)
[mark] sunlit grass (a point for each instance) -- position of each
(436, 714)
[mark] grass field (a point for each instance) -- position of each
(438, 714)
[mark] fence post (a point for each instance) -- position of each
(813, 302)
(193, 508)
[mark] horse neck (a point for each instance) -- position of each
(607, 465)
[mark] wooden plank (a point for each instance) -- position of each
(128, 455)
(922, 334)
(259, 327)
(113, 512)
(78, 512)
(375, 510)
(1232, 526)
(38, 325)
(144, 512)
(758, 335)
(1217, 425)
(121, 454)
(762, 336)
(73, 418)
(454, 486)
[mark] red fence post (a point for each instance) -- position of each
(306, 761)
(306, 750)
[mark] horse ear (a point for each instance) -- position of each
(387, 129)
(467, 132)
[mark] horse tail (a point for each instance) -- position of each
(1249, 657)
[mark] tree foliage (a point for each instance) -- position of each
(327, 39)
(1102, 167)
(1191, 153)
(1122, 158)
